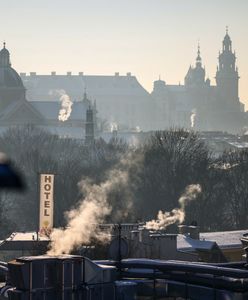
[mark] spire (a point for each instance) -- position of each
(198, 58)
(87, 102)
(89, 127)
(198, 52)
(227, 43)
(90, 122)
(85, 98)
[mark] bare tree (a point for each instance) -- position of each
(36, 151)
(172, 160)
(235, 189)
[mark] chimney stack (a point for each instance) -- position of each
(191, 231)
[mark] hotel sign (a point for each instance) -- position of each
(46, 202)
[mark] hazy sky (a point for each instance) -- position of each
(145, 37)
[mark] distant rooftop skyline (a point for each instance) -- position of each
(148, 38)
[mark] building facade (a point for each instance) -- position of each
(199, 105)
(122, 102)
(15, 109)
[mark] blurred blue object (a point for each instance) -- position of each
(9, 178)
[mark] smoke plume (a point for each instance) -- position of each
(192, 118)
(66, 104)
(113, 127)
(82, 221)
(177, 215)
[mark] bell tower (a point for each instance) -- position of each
(227, 77)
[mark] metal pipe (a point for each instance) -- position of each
(166, 266)
(206, 280)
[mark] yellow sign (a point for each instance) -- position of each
(46, 202)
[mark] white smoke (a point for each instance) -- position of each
(192, 118)
(113, 127)
(95, 207)
(177, 215)
(66, 104)
(82, 221)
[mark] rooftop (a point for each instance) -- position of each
(46, 87)
(224, 239)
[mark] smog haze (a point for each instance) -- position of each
(147, 38)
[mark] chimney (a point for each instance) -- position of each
(117, 74)
(81, 73)
(32, 73)
(22, 74)
(135, 235)
(53, 73)
(183, 229)
(191, 231)
(166, 245)
(194, 232)
(68, 73)
(144, 235)
(129, 74)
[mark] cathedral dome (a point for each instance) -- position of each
(8, 76)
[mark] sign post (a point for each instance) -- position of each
(46, 203)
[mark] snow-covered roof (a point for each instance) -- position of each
(21, 241)
(224, 239)
(186, 242)
(26, 236)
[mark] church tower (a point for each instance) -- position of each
(195, 76)
(227, 77)
(90, 125)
